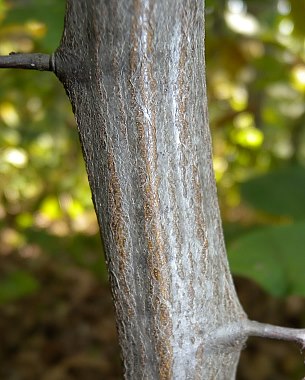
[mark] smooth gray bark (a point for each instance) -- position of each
(134, 72)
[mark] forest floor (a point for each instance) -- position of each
(66, 329)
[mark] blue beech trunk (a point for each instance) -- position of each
(134, 71)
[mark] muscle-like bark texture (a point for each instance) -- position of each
(134, 71)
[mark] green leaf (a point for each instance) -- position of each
(16, 285)
(280, 193)
(274, 257)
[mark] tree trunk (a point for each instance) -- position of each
(135, 74)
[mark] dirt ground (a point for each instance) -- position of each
(66, 330)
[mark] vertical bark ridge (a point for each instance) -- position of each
(143, 91)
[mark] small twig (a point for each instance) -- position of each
(253, 328)
(34, 61)
(233, 336)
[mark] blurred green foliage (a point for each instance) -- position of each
(274, 257)
(256, 81)
(255, 52)
(45, 201)
(17, 284)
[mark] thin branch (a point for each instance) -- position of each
(265, 330)
(34, 61)
(233, 336)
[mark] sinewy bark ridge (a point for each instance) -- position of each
(134, 72)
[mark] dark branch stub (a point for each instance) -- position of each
(33, 61)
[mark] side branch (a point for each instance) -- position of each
(34, 61)
(265, 330)
(233, 336)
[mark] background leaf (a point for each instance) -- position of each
(280, 192)
(17, 284)
(274, 257)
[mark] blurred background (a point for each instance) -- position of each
(56, 316)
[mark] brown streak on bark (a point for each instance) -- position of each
(146, 126)
(118, 229)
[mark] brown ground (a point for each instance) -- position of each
(66, 330)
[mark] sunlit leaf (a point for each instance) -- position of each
(239, 98)
(51, 208)
(242, 23)
(249, 137)
(25, 220)
(15, 156)
(286, 26)
(9, 114)
(244, 120)
(75, 208)
(36, 28)
(298, 77)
